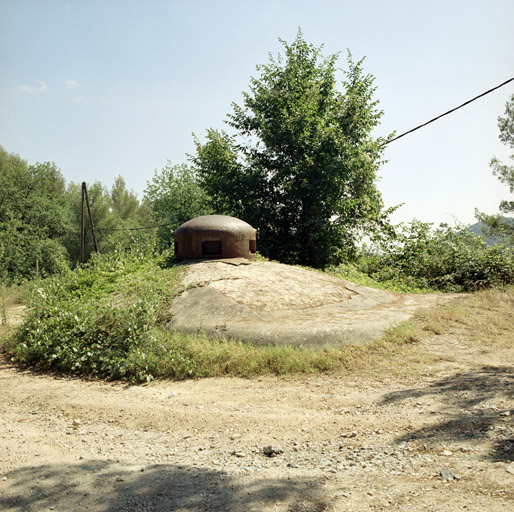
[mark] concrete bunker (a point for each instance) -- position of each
(215, 237)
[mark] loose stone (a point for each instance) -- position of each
(448, 475)
(272, 450)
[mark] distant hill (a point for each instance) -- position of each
(489, 240)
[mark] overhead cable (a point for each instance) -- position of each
(449, 111)
(134, 229)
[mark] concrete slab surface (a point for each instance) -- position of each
(271, 303)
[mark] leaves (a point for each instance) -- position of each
(446, 259)
(174, 196)
(498, 225)
(34, 218)
(102, 320)
(303, 165)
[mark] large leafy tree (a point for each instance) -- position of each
(302, 165)
(498, 224)
(34, 218)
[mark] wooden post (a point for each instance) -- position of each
(82, 227)
(90, 217)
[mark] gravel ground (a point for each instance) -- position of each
(443, 442)
(430, 431)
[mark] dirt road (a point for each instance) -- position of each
(432, 431)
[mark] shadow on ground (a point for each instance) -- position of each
(101, 486)
(468, 408)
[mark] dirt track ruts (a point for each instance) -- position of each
(356, 442)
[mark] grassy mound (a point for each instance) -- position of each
(108, 320)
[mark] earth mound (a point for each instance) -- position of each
(272, 303)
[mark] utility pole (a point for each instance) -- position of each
(82, 236)
(90, 217)
(82, 227)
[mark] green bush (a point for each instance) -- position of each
(102, 320)
(447, 259)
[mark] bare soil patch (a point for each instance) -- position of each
(430, 431)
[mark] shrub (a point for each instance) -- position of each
(447, 259)
(101, 320)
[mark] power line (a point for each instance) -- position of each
(450, 111)
(106, 238)
(135, 229)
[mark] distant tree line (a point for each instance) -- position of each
(300, 164)
(40, 218)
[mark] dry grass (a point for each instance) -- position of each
(483, 322)
(486, 318)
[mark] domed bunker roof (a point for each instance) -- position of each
(214, 237)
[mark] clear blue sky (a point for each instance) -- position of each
(112, 87)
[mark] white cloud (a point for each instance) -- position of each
(70, 84)
(31, 89)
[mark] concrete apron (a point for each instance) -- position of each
(271, 303)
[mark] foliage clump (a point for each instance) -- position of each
(419, 258)
(498, 225)
(175, 196)
(103, 320)
(34, 219)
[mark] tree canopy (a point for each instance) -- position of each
(497, 224)
(174, 196)
(302, 165)
(34, 218)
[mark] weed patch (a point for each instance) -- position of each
(102, 320)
